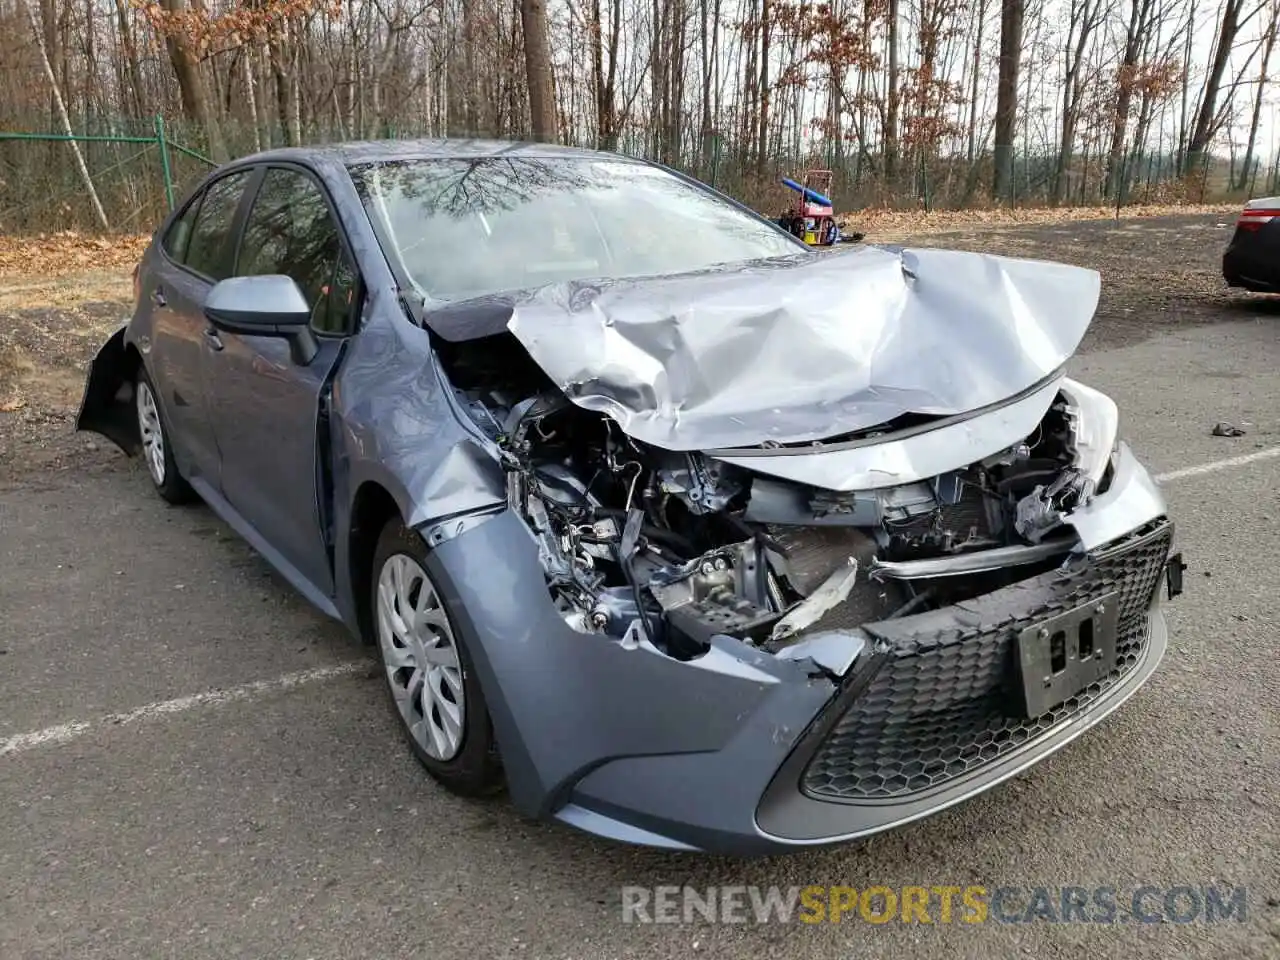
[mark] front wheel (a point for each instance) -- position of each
(156, 449)
(434, 690)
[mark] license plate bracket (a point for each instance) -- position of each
(1060, 656)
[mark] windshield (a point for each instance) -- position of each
(465, 228)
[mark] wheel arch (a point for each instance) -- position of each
(371, 508)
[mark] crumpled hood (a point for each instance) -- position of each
(795, 352)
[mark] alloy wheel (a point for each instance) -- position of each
(151, 431)
(420, 657)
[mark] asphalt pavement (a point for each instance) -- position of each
(194, 764)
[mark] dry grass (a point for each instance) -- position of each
(66, 291)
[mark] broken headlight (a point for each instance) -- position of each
(1095, 429)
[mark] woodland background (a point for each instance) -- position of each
(913, 104)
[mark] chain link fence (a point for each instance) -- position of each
(137, 170)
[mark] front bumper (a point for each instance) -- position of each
(921, 724)
(743, 752)
(930, 721)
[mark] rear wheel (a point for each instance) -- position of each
(434, 690)
(156, 449)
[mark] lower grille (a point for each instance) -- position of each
(944, 704)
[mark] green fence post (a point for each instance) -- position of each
(163, 144)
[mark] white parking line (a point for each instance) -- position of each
(65, 732)
(1213, 466)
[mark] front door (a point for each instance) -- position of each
(265, 406)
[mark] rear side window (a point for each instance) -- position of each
(179, 233)
(209, 251)
(290, 230)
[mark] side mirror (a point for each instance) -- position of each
(265, 306)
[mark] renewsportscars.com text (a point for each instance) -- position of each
(935, 904)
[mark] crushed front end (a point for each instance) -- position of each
(779, 571)
(886, 650)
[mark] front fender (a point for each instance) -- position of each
(564, 703)
(107, 405)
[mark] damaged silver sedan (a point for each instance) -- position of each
(686, 534)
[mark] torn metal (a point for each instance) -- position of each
(782, 453)
(794, 353)
(818, 604)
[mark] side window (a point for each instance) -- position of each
(290, 230)
(209, 250)
(178, 235)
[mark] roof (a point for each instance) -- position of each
(365, 151)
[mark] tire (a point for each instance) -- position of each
(157, 451)
(451, 736)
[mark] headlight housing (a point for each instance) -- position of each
(1095, 430)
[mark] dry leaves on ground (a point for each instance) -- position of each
(906, 222)
(56, 254)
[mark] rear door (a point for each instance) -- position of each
(195, 253)
(266, 406)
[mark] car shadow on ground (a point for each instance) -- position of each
(1253, 304)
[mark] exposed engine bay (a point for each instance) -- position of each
(640, 543)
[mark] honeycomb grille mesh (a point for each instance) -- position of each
(943, 705)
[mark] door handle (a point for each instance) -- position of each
(211, 339)
(158, 298)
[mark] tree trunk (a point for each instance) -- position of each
(1134, 36)
(676, 77)
(1203, 130)
(195, 104)
(891, 98)
(981, 16)
(537, 65)
(470, 105)
(51, 45)
(704, 120)
(252, 95)
(762, 148)
(595, 40)
(1268, 44)
(747, 100)
(1183, 128)
(284, 89)
(130, 50)
(657, 78)
(1007, 96)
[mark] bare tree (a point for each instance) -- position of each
(537, 59)
(892, 102)
(1007, 95)
(1137, 29)
(1268, 45)
(1086, 15)
(1208, 117)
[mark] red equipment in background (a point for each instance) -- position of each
(811, 216)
